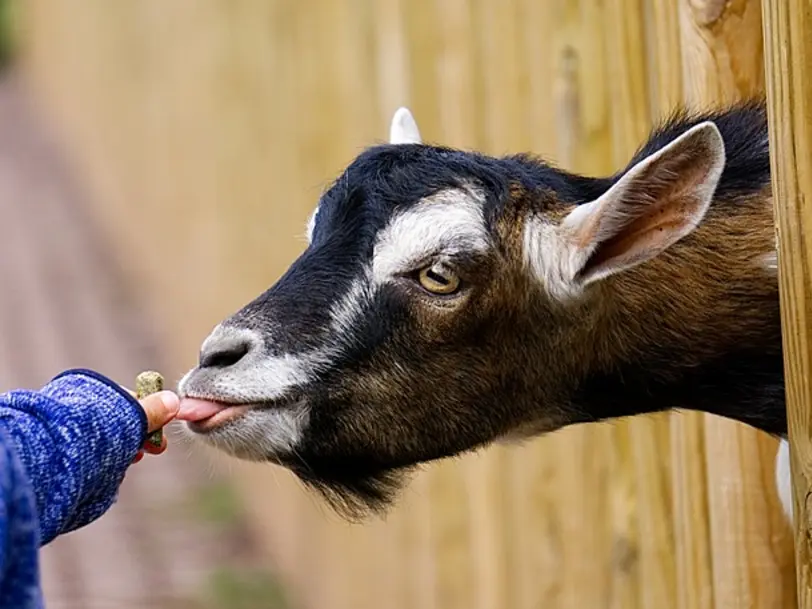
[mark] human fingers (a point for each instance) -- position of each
(160, 408)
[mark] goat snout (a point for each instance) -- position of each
(234, 367)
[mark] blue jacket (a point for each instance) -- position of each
(64, 451)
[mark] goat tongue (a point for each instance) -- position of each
(192, 409)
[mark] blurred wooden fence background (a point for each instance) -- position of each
(216, 123)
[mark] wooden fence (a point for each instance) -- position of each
(788, 37)
(222, 120)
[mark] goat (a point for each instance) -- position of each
(448, 299)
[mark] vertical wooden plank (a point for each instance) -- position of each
(717, 66)
(392, 60)
(722, 63)
(680, 542)
(470, 93)
(408, 528)
(266, 46)
(788, 39)
(315, 126)
(583, 475)
(536, 508)
(684, 436)
(639, 82)
(628, 76)
(630, 113)
(403, 533)
(580, 86)
(445, 522)
(498, 101)
(665, 51)
(355, 553)
(693, 552)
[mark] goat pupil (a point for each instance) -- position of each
(436, 277)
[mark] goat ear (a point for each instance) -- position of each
(656, 203)
(403, 129)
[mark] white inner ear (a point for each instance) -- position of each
(403, 129)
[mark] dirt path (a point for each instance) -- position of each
(63, 305)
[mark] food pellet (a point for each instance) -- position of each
(147, 383)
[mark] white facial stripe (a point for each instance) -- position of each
(550, 258)
(344, 314)
(553, 260)
(450, 220)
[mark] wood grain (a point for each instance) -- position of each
(723, 63)
(788, 40)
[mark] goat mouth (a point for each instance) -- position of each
(203, 416)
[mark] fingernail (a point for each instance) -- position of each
(170, 401)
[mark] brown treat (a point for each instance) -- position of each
(148, 383)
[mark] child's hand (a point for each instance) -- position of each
(160, 408)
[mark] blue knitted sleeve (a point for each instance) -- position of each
(19, 534)
(75, 438)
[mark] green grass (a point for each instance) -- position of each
(218, 504)
(244, 589)
(8, 31)
(237, 587)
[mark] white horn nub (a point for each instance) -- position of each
(404, 128)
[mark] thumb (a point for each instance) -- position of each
(160, 408)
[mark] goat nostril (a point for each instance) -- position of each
(225, 355)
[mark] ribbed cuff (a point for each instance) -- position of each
(107, 382)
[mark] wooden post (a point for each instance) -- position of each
(788, 60)
(722, 51)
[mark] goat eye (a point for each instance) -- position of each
(438, 279)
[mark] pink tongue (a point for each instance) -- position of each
(192, 409)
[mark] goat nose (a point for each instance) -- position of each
(225, 351)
